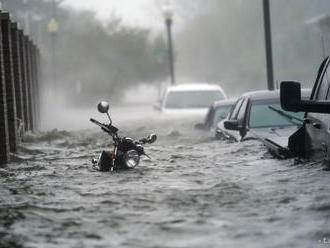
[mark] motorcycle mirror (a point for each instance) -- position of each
(103, 107)
(152, 138)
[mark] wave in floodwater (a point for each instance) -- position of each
(195, 192)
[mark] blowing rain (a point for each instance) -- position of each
(164, 123)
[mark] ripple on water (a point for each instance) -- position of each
(195, 192)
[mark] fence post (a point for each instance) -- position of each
(24, 80)
(29, 81)
(9, 79)
(4, 133)
(17, 77)
(38, 78)
(34, 84)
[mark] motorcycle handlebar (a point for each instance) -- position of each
(150, 139)
(106, 128)
(113, 132)
(97, 122)
(103, 126)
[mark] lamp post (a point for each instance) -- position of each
(168, 16)
(53, 28)
(268, 45)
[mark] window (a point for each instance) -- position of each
(242, 112)
(192, 99)
(322, 91)
(262, 115)
(234, 114)
(220, 113)
(327, 76)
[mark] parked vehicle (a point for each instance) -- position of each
(190, 99)
(312, 140)
(126, 152)
(216, 113)
(258, 115)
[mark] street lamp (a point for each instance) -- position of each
(53, 28)
(268, 45)
(168, 16)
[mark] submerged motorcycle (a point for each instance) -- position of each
(126, 152)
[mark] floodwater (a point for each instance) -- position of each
(195, 192)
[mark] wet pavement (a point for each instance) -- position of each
(195, 192)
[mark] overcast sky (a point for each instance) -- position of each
(140, 12)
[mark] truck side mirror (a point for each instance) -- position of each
(231, 125)
(291, 100)
(291, 96)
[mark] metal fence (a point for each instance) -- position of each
(19, 86)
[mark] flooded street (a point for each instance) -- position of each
(195, 191)
(262, 68)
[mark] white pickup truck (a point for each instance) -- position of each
(190, 99)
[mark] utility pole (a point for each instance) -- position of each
(168, 16)
(268, 45)
(53, 28)
(170, 49)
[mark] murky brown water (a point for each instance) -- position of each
(195, 192)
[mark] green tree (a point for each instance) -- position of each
(94, 59)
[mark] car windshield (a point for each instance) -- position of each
(262, 116)
(192, 99)
(220, 114)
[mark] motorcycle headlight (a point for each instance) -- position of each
(131, 158)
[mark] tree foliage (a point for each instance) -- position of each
(94, 59)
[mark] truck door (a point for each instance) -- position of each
(242, 117)
(233, 116)
(317, 125)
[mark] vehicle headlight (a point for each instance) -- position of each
(131, 158)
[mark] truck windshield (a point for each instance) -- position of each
(192, 99)
(221, 113)
(262, 116)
